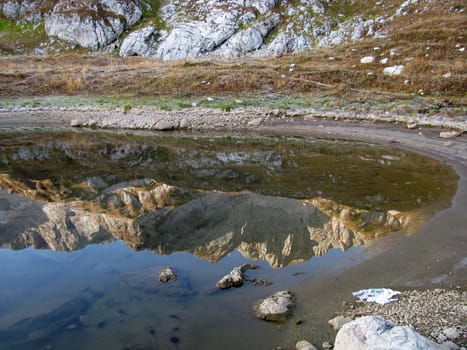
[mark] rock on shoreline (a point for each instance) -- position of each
(276, 307)
(438, 314)
(374, 332)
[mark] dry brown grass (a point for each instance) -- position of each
(428, 44)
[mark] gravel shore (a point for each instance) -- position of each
(438, 314)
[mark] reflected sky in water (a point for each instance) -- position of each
(201, 205)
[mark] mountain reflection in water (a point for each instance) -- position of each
(225, 200)
(66, 190)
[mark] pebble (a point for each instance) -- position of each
(305, 345)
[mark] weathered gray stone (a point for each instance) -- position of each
(393, 70)
(167, 275)
(338, 321)
(139, 43)
(235, 277)
(449, 134)
(248, 39)
(276, 307)
(373, 332)
(165, 125)
(305, 345)
(91, 24)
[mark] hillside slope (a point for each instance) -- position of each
(415, 49)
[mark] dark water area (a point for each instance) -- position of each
(89, 219)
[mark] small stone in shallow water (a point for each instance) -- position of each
(305, 345)
(276, 307)
(167, 275)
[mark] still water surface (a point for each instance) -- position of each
(88, 219)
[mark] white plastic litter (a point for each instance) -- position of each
(377, 295)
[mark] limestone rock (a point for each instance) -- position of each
(373, 332)
(249, 39)
(167, 275)
(139, 43)
(165, 125)
(91, 24)
(448, 134)
(287, 42)
(21, 9)
(305, 345)
(235, 277)
(198, 37)
(276, 307)
(367, 59)
(338, 321)
(393, 70)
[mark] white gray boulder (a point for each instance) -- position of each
(374, 332)
(192, 38)
(276, 307)
(20, 9)
(139, 43)
(248, 39)
(92, 24)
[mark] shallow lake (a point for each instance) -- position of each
(88, 219)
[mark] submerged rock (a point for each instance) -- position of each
(167, 275)
(374, 332)
(276, 307)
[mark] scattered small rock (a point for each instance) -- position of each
(449, 134)
(167, 275)
(367, 59)
(164, 125)
(184, 123)
(412, 126)
(255, 122)
(263, 283)
(393, 70)
(451, 333)
(305, 345)
(276, 307)
(75, 123)
(338, 321)
(327, 345)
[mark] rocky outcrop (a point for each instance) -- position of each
(139, 43)
(91, 24)
(188, 29)
(249, 39)
(373, 332)
(276, 307)
(27, 9)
